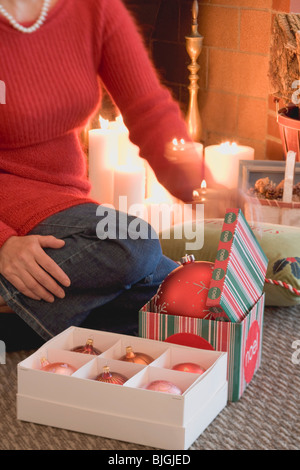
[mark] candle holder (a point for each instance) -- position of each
(194, 47)
(215, 201)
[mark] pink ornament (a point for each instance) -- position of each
(184, 290)
(189, 367)
(61, 368)
(164, 386)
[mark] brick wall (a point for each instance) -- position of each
(234, 96)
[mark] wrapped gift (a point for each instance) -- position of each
(242, 341)
(235, 300)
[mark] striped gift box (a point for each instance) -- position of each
(239, 272)
(242, 341)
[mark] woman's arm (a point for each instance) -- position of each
(152, 116)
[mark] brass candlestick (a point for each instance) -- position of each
(194, 47)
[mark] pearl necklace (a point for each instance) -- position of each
(35, 26)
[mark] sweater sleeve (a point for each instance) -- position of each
(6, 232)
(152, 116)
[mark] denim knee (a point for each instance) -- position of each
(143, 261)
(134, 245)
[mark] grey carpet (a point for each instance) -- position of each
(267, 417)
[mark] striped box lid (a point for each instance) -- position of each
(240, 268)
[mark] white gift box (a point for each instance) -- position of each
(126, 412)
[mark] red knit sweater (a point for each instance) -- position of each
(52, 88)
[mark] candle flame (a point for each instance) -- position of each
(178, 144)
(119, 119)
(227, 147)
(117, 124)
(104, 123)
(201, 191)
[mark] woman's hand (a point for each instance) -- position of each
(25, 264)
(182, 171)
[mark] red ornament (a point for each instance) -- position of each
(61, 368)
(87, 348)
(184, 290)
(189, 339)
(137, 357)
(164, 386)
(189, 367)
(111, 377)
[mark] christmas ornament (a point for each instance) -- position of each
(164, 386)
(189, 367)
(87, 348)
(189, 339)
(111, 377)
(61, 368)
(137, 357)
(184, 290)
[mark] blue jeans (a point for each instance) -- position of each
(111, 278)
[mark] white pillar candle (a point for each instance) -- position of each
(129, 182)
(223, 162)
(109, 147)
(103, 154)
(122, 137)
(129, 174)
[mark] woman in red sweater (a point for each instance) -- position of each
(54, 268)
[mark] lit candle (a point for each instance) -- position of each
(129, 182)
(203, 188)
(223, 162)
(204, 194)
(123, 142)
(115, 167)
(103, 154)
(129, 172)
(179, 151)
(178, 145)
(215, 201)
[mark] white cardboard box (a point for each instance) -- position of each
(127, 412)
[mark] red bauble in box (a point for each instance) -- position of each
(163, 386)
(184, 290)
(136, 357)
(111, 377)
(60, 368)
(87, 348)
(189, 367)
